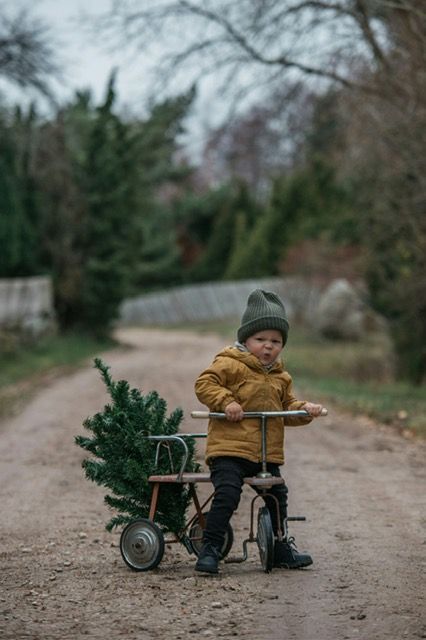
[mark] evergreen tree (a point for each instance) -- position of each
(212, 264)
(57, 170)
(307, 203)
(158, 173)
(195, 215)
(160, 258)
(396, 272)
(110, 235)
(19, 202)
(157, 140)
(258, 255)
(32, 257)
(237, 212)
(240, 236)
(105, 234)
(12, 219)
(124, 458)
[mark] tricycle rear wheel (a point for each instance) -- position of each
(142, 545)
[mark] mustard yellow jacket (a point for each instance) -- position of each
(240, 376)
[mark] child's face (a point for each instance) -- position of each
(266, 345)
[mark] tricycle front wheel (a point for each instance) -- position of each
(265, 539)
(142, 545)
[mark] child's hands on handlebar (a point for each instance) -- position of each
(314, 410)
(234, 412)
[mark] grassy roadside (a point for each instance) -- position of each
(355, 376)
(394, 404)
(359, 377)
(25, 370)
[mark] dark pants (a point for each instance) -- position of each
(227, 474)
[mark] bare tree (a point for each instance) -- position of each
(261, 143)
(26, 52)
(252, 43)
(385, 149)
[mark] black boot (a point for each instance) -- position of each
(287, 556)
(208, 560)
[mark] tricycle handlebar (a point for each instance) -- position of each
(256, 414)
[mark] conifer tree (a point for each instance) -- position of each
(256, 256)
(19, 206)
(12, 215)
(240, 238)
(236, 213)
(111, 231)
(213, 261)
(124, 458)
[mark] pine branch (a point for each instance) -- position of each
(123, 457)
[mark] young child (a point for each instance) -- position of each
(249, 377)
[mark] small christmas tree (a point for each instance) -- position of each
(125, 458)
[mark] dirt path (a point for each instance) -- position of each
(361, 487)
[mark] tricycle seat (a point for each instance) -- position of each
(192, 478)
(263, 482)
(181, 478)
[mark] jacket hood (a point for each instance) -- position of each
(248, 359)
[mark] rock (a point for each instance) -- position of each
(341, 313)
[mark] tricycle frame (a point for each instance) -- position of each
(142, 542)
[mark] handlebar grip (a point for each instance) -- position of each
(199, 414)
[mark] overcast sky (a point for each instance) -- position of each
(86, 61)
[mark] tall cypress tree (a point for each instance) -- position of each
(12, 219)
(19, 200)
(236, 213)
(121, 238)
(157, 143)
(111, 230)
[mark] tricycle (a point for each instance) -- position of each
(142, 541)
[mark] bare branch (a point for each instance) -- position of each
(323, 39)
(363, 20)
(242, 41)
(26, 53)
(410, 7)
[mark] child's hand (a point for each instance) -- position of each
(234, 412)
(314, 410)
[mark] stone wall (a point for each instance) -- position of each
(335, 309)
(217, 301)
(26, 306)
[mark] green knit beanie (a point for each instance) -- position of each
(264, 311)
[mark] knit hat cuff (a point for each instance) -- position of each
(261, 324)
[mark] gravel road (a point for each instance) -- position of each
(360, 485)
